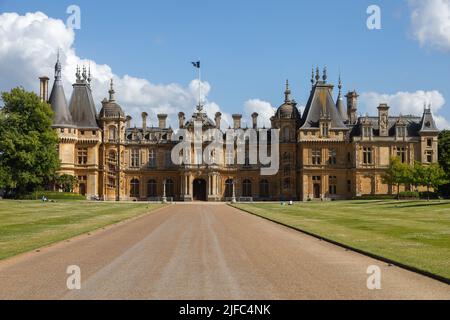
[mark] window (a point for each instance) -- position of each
(367, 132)
(367, 155)
(112, 161)
(401, 154)
(151, 189)
(62, 130)
(316, 156)
(429, 155)
(316, 178)
(82, 132)
(229, 188)
(229, 157)
(168, 159)
(349, 186)
(333, 185)
(325, 129)
(198, 156)
(264, 189)
(134, 188)
(152, 158)
(332, 154)
(429, 143)
(135, 161)
(401, 131)
(112, 133)
(170, 190)
(247, 188)
(82, 156)
(287, 184)
(111, 182)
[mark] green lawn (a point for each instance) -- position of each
(416, 233)
(28, 225)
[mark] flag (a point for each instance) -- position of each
(196, 64)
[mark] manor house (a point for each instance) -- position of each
(326, 152)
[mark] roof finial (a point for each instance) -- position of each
(287, 93)
(317, 74)
(111, 91)
(312, 76)
(77, 74)
(89, 78)
(84, 74)
(340, 85)
(58, 68)
(325, 76)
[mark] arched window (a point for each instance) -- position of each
(134, 188)
(112, 133)
(170, 190)
(247, 188)
(152, 189)
(229, 188)
(264, 189)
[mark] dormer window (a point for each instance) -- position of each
(401, 131)
(325, 129)
(367, 132)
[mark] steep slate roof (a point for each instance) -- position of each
(321, 103)
(82, 105)
(412, 123)
(428, 124)
(62, 116)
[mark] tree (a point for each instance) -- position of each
(444, 158)
(397, 174)
(28, 155)
(66, 182)
(433, 176)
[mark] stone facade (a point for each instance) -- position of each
(328, 152)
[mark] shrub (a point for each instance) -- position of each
(51, 195)
(409, 195)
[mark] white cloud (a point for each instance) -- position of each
(431, 23)
(264, 110)
(28, 47)
(406, 103)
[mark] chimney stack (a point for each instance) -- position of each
(162, 119)
(218, 120)
(255, 120)
(383, 119)
(43, 94)
(237, 118)
(181, 120)
(129, 122)
(352, 106)
(144, 121)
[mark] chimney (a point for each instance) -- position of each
(352, 106)
(43, 94)
(181, 120)
(129, 122)
(255, 120)
(237, 120)
(218, 120)
(383, 119)
(162, 119)
(144, 121)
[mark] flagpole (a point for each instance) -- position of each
(199, 84)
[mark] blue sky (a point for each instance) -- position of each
(248, 48)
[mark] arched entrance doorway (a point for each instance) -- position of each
(199, 190)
